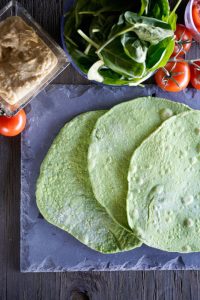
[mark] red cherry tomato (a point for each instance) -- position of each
(174, 77)
(198, 28)
(195, 75)
(196, 13)
(183, 40)
(12, 126)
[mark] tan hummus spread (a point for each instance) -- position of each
(25, 60)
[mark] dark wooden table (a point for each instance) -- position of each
(63, 286)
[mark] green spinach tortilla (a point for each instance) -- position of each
(64, 193)
(163, 203)
(114, 138)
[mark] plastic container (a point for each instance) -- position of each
(189, 21)
(13, 8)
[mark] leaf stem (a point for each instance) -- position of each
(113, 38)
(85, 37)
(87, 12)
(94, 13)
(175, 8)
(87, 49)
(71, 41)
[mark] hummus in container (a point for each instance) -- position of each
(25, 60)
(29, 58)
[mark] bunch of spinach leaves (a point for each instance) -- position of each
(130, 39)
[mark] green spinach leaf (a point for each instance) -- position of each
(148, 29)
(113, 78)
(158, 55)
(134, 47)
(144, 7)
(115, 58)
(172, 19)
(131, 45)
(82, 60)
(159, 9)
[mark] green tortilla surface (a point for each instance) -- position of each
(115, 136)
(163, 202)
(64, 194)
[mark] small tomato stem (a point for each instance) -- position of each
(166, 71)
(175, 81)
(197, 66)
(186, 60)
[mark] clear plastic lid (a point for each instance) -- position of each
(15, 9)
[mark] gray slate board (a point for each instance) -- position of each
(45, 248)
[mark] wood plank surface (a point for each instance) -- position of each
(169, 285)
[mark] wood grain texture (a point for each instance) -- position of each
(162, 285)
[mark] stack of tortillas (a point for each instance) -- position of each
(119, 178)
